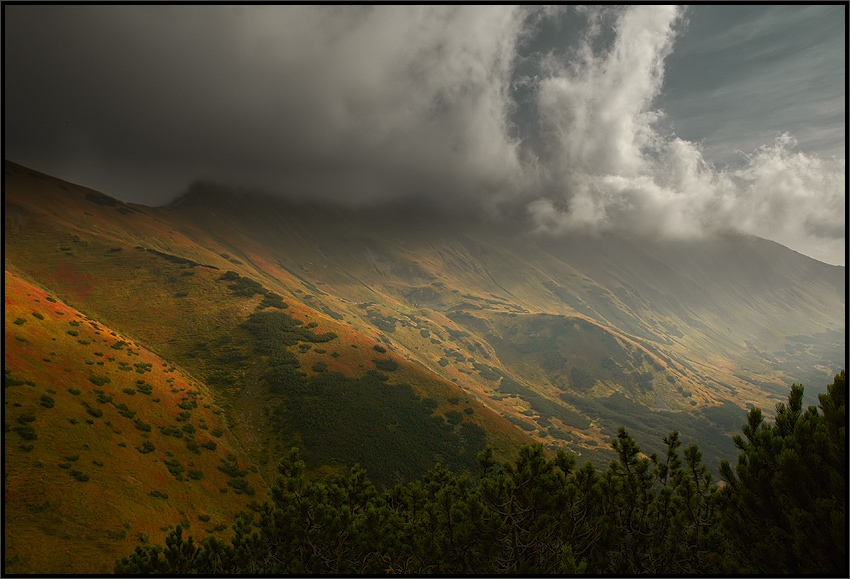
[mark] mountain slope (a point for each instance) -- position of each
(409, 338)
(105, 444)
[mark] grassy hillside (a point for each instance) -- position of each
(105, 443)
(367, 336)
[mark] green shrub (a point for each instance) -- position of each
(196, 475)
(79, 475)
(24, 418)
(37, 316)
(27, 432)
(454, 417)
(118, 535)
(142, 426)
(158, 495)
(320, 367)
(217, 432)
(272, 300)
(74, 333)
(379, 348)
(124, 411)
(20, 321)
(74, 391)
(209, 445)
(96, 412)
(47, 401)
(99, 380)
(175, 468)
(241, 485)
(204, 518)
(26, 447)
(129, 391)
(386, 364)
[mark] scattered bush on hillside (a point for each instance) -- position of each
(454, 417)
(175, 468)
(386, 364)
(79, 476)
(141, 425)
(146, 447)
(272, 300)
(37, 316)
(380, 349)
(20, 321)
(99, 380)
(27, 432)
(241, 486)
(246, 287)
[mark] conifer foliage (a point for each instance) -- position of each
(781, 510)
(785, 503)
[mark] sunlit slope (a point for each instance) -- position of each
(144, 277)
(105, 443)
(688, 328)
(678, 297)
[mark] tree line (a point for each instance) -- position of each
(780, 510)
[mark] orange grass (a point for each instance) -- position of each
(55, 524)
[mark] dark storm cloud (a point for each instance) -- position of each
(555, 113)
(352, 103)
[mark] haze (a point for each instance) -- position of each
(658, 120)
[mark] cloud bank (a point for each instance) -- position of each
(368, 104)
(611, 168)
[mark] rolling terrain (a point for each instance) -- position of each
(383, 336)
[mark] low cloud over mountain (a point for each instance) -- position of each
(557, 115)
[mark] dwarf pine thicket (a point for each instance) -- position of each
(780, 510)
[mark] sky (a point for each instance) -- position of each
(675, 122)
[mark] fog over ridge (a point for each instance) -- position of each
(459, 106)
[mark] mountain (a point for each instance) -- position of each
(390, 336)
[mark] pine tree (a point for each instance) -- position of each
(785, 502)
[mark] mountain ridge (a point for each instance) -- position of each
(467, 331)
